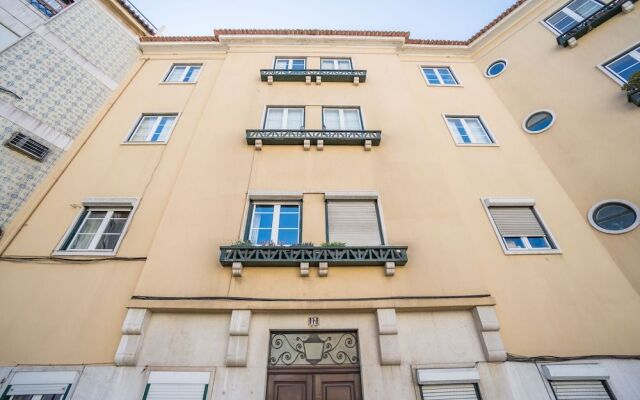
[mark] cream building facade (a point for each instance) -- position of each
(59, 62)
(343, 215)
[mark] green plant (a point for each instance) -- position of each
(333, 244)
(633, 84)
(242, 243)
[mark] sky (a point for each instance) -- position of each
(425, 19)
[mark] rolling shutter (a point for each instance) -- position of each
(461, 391)
(516, 221)
(177, 385)
(580, 390)
(53, 388)
(354, 223)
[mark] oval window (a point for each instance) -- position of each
(539, 121)
(496, 68)
(614, 216)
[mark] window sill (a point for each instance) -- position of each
(451, 86)
(178, 83)
(83, 253)
(477, 145)
(531, 252)
(143, 143)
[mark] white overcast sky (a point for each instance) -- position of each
(425, 19)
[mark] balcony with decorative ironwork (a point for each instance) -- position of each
(239, 256)
(599, 17)
(313, 75)
(49, 8)
(317, 137)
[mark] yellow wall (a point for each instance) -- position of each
(194, 194)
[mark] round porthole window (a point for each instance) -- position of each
(496, 68)
(614, 216)
(539, 121)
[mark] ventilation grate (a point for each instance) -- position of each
(27, 146)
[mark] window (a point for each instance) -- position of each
(274, 224)
(100, 226)
(52, 385)
(183, 73)
(448, 383)
(459, 391)
(177, 385)
(614, 216)
(519, 227)
(27, 146)
(539, 121)
(495, 68)
(153, 129)
(580, 390)
(625, 65)
(7, 37)
(335, 63)
(284, 118)
(354, 222)
(441, 76)
(571, 14)
(343, 119)
(468, 130)
(290, 63)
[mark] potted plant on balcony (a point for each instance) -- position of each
(633, 89)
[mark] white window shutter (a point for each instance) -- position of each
(176, 391)
(516, 221)
(52, 388)
(354, 223)
(580, 390)
(460, 391)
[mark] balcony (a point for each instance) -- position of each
(599, 17)
(306, 137)
(316, 75)
(238, 257)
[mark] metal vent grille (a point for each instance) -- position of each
(461, 391)
(27, 146)
(580, 390)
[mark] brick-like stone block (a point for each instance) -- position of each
(387, 323)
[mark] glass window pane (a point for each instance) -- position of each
(107, 242)
(614, 216)
(81, 241)
(115, 225)
(584, 8)
(562, 21)
(344, 64)
(287, 236)
(260, 236)
(460, 133)
(331, 118)
(143, 129)
(282, 63)
(625, 66)
(514, 243)
(327, 64)
(288, 220)
(539, 121)
(192, 74)
(295, 118)
(163, 130)
(478, 133)
(432, 78)
(274, 118)
(176, 74)
(538, 242)
(91, 225)
(297, 65)
(262, 220)
(352, 119)
(261, 208)
(446, 76)
(289, 209)
(496, 68)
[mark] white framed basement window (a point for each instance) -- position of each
(571, 14)
(519, 227)
(289, 64)
(469, 131)
(284, 118)
(336, 64)
(99, 228)
(342, 118)
(183, 73)
(152, 128)
(277, 223)
(40, 385)
(439, 76)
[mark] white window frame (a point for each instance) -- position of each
(488, 202)
(184, 74)
(109, 204)
(275, 227)
(341, 118)
(527, 243)
(620, 232)
(132, 131)
(435, 68)
(290, 63)
(335, 63)
(285, 115)
(576, 17)
(605, 69)
(152, 369)
(578, 370)
(490, 135)
(486, 70)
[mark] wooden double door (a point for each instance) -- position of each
(320, 384)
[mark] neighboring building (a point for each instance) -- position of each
(59, 62)
(302, 214)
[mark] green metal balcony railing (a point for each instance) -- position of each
(591, 22)
(298, 136)
(325, 75)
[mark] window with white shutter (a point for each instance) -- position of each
(354, 222)
(45, 385)
(171, 385)
(581, 390)
(458, 391)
